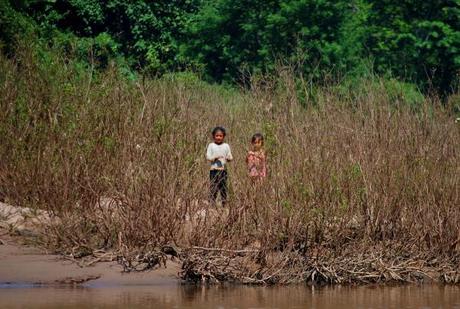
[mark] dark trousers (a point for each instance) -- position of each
(218, 184)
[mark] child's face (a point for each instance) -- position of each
(257, 144)
(218, 137)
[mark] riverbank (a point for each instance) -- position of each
(361, 187)
(26, 265)
(24, 261)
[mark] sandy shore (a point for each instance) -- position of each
(21, 264)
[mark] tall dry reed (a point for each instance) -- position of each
(120, 165)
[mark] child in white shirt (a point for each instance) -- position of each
(218, 153)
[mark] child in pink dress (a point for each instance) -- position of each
(256, 159)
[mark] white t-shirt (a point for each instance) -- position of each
(215, 151)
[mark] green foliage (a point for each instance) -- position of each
(419, 41)
(228, 36)
(143, 32)
(12, 24)
(362, 80)
(400, 92)
(415, 42)
(354, 32)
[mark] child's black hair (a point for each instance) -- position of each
(257, 136)
(218, 129)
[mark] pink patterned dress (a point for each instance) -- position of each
(257, 165)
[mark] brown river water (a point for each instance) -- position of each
(186, 296)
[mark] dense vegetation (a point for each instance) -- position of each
(226, 40)
(361, 188)
(105, 118)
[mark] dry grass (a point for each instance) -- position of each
(361, 188)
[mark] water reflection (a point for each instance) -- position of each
(189, 296)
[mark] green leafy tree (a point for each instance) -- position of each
(418, 41)
(145, 32)
(412, 41)
(228, 35)
(13, 22)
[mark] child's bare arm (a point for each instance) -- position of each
(249, 157)
(209, 154)
(229, 155)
